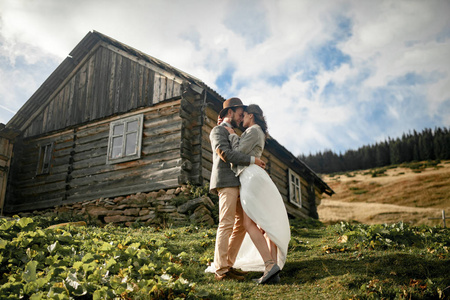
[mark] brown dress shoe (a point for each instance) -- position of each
(237, 272)
(228, 276)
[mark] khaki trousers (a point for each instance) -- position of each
(231, 231)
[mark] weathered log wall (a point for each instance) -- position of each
(79, 171)
(107, 85)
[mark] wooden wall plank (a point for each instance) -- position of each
(124, 85)
(162, 90)
(118, 84)
(140, 87)
(97, 83)
(66, 105)
(81, 99)
(156, 88)
(169, 89)
(89, 90)
(150, 87)
(70, 105)
(105, 79)
(111, 83)
(50, 116)
(132, 102)
(59, 101)
(100, 80)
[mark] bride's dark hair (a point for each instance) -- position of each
(260, 119)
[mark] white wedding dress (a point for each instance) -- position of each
(263, 203)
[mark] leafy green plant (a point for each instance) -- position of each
(72, 262)
(89, 262)
(398, 235)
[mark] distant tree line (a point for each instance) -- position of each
(427, 145)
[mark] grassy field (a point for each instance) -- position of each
(356, 259)
(341, 261)
(410, 193)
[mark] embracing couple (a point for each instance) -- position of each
(253, 232)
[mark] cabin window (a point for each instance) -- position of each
(125, 139)
(295, 188)
(45, 157)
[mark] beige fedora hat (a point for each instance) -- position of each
(231, 103)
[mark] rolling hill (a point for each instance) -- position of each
(411, 193)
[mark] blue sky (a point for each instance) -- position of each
(328, 74)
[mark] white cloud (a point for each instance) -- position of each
(283, 55)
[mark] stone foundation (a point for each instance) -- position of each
(173, 206)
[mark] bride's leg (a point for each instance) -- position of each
(273, 250)
(272, 247)
(258, 239)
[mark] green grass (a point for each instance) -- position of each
(342, 261)
(358, 191)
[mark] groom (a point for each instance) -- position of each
(224, 182)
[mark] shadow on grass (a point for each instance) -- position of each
(384, 274)
(304, 233)
(398, 268)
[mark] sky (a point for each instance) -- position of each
(329, 75)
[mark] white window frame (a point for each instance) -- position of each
(123, 157)
(295, 188)
(44, 159)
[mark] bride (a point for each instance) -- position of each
(265, 217)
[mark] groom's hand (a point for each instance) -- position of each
(260, 163)
(230, 130)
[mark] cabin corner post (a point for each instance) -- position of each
(190, 144)
(70, 166)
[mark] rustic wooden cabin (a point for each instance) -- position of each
(113, 121)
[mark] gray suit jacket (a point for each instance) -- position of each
(223, 155)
